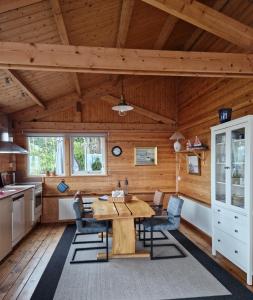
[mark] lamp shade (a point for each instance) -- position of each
(177, 136)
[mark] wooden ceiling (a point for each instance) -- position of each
(131, 24)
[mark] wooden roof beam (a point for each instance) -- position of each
(14, 76)
(49, 57)
(208, 19)
(140, 110)
(57, 12)
(124, 24)
(218, 5)
(7, 5)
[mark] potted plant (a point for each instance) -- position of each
(96, 165)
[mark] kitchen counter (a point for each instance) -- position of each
(5, 193)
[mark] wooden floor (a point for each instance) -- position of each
(22, 269)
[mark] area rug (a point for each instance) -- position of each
(196, 276)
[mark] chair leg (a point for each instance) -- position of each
(74, 242)
(74, 261)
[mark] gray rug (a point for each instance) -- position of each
(132, 279)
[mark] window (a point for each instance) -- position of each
(46, 154)
(88, 155)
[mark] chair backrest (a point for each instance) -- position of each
(78, 213)
(174, 210)
(78, 197)
(158, 198)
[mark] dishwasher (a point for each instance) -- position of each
(18, 217)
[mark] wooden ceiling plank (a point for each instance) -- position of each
(218, 5)
(165, 32)
(57, 12)
(140, 110)
(14, 76)
(208, 19)
(7, 5)
(68, 58)
(124, 24)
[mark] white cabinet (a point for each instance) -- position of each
(232, 192)
(5, 226)
(18, 218)
(28, 199)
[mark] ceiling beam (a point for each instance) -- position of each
(57, 12)
(139, 110)
(208, 19)
(80, 127)
(7, 5)
(124, 24)
(53, 106)
(198, 32)
(14, 76)
(165, 32)
(49, 57)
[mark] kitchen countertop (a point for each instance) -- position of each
(5, 193)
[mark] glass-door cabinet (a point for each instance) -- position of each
(229, 165)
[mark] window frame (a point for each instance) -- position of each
(101, 135)
(28, 135)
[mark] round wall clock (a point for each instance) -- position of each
(116, 151)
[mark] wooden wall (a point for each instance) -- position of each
(158, 95)
(198, 102)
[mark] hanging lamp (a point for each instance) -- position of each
(122, 108)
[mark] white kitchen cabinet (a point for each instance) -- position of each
(5, 227)
(232, 192)
(28, 199)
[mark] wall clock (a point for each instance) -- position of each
(116, 151)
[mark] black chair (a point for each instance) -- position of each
(86, 226)
(162, 223)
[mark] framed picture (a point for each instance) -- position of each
(145, 156)
(193, 164)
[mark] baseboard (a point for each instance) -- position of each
(204, 235)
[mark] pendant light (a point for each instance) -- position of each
(122, 108)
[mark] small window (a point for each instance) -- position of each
(88, 155)
(46, 154)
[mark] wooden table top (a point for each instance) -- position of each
(137, 208)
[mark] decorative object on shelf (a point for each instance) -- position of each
(225, 114)
(62, 186)
(118, 186)
(145, 156)
(177, 136)
(116, 151)
(197, 142)
(188, 145)
(122, 108)
(193, 164)
(126, 187)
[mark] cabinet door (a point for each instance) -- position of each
(220, 178)
(238, 163)
(5, 227)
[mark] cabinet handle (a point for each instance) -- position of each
(236, 230)
(218, 222)
(218, 240)
(236, 251)
(226, 168)
(218, 210)
(236, 217)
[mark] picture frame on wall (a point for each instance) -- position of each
(145, 156)
(193, 164)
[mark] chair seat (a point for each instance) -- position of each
(158, 224)
(93, 226)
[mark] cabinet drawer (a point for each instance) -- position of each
(229, 226)
(232, 217)
(231, 248)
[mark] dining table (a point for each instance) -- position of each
(123, 215)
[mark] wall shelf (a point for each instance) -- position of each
(200, 152)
